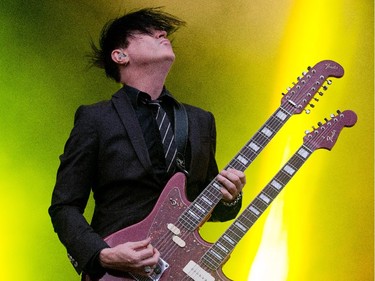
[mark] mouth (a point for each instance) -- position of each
(165, 41)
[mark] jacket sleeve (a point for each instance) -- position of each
(205, 169)
(75, 178)
(221, 212)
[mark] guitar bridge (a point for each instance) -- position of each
(156, 274)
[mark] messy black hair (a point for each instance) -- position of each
(116, 32)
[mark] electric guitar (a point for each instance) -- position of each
(174, 219)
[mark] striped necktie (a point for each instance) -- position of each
(166, 134)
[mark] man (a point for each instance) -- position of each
(116, 150)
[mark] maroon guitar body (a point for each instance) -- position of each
(177, 245)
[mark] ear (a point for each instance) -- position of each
(119, 56)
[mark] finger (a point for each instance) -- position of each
(240, 175)
(236, 177)
(232, 181)
(229, 180)
(140, 244)
(228, 189)
(148, 265)
(146, 253)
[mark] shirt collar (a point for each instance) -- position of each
(136, 96)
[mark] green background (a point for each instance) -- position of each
(234, 58)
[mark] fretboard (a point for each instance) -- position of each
(219, 251)
(203, 205)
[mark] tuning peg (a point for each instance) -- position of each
(329, 81)
(316, 99)
(332, 115)
(325, 88)
(321, 93)
(326, 119)
(307, 111)
(312, 105)
(309, 67)
(338, 111)
(307, 132)
(320, 124)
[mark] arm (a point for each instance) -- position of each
(75, 177)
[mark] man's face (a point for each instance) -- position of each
(150, 48)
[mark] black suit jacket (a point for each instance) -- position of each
(106, 153)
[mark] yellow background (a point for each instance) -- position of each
(234, 59)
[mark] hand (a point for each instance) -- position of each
(130, 257)
(233, 182)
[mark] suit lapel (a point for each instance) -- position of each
(128, 118)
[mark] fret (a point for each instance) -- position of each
(297, 160)
(266, 131)
(254, 146)
(255, 211)
(215, 256)
(194, 215)
(205, 201)
(216, 185)
(199, 208)
(222, 248)
(244, 219)
(304, 153)
(234, 235)
(242, 159)
(265, 198)
(228, 239)
(289, 169)
(260, 140)
(281, 115)
(249, 216)
(259, 204)
(276, 184)
(219, 251)
(248, 153)
(240, 226)
(270, 191)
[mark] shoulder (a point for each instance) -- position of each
(201, 122)
(199, 113)
(90, 111)
(100, 108)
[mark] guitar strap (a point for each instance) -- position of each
(181, 135)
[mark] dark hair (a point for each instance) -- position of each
(116, 32)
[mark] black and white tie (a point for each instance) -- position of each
(167, 135)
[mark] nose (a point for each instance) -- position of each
(161, 34)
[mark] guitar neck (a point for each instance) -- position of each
(219, 251)
(198, 211)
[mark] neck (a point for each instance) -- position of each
(147, 79)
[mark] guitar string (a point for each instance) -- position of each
(296, 161)
(272, 122)
(239, 165)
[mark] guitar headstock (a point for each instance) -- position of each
(301, 94)
(326, 135)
